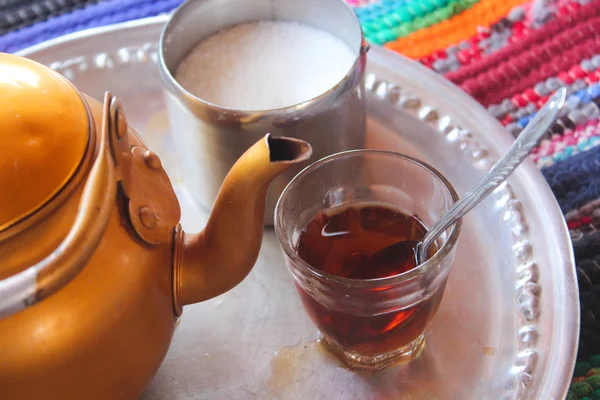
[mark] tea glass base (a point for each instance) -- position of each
(379, 362)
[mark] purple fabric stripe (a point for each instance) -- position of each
(104, 13)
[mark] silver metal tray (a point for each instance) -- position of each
(509, 323)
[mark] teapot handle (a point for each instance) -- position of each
(41, 280)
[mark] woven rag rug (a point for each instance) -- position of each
(508, 54)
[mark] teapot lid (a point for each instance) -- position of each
(44, 133)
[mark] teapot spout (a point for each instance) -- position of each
(215, 260)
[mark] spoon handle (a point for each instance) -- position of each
(519, 150)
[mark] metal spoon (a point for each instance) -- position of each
(520, 149)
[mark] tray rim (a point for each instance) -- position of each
(530, 175)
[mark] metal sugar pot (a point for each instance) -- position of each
(209, 138)
(94, 267)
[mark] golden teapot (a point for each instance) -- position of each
(94, 266)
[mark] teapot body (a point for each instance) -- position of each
(94, 267)
(105, 333)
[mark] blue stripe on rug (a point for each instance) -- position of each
(576, 180)
(101, 14)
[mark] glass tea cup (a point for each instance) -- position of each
(370, 323)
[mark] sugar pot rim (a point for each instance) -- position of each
(176, 27)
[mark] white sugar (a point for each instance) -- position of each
(265, 65)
